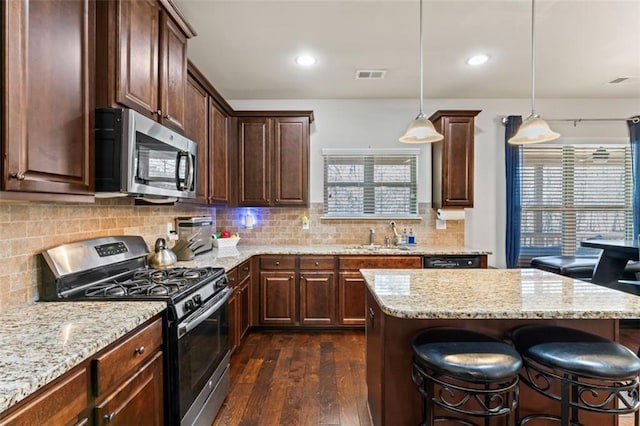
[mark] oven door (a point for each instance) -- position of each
(203, 356)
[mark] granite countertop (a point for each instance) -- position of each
(41, 341)
(229, 258)
(494, 294)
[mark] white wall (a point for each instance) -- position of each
(378, 123)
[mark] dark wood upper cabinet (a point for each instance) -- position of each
(452, 158)
(254, 161)
(48, 100)
(273, 158)
(218, 154)
(196, 128)
(206, 122)
(142, 58)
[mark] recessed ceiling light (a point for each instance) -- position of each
(478, 59)
(305, 60)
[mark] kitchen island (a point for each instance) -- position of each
(400, 303)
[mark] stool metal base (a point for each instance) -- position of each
(484, 400)
(581, 393)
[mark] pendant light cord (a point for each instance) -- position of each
(533, 61)
(421, 65)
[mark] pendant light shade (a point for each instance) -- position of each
(421, 130)
(533, 129)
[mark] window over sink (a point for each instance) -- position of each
(374, 183)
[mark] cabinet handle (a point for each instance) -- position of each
(167, 116)
(246, 268)
(371, 316)
(139, 351)
(17, 175)
(301, 277)
(109, 417)
(159, 112)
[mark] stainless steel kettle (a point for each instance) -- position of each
(163, 256)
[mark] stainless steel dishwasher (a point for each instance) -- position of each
(453, 261)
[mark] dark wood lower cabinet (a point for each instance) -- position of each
(351, 295)
(317, 298)
(140, 398)
(277, 298)
(118, 386)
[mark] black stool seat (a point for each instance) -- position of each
(465, 373)
(594, 374)
(579, 266)
(576, 352)
(466, 355)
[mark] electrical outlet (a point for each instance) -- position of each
(171, 234)
(305, 223)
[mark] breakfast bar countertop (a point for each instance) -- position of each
(41, 341)
(494, 294)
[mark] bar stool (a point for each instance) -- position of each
(594, 374)
(475, 374)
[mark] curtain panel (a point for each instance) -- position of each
(513, 162)
(634, 137)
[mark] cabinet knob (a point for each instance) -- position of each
(291, 277)
(159, 112)
(246, 268)
(17, 175)
(108, 418)
(317, 263)
(166, 116)
(139, 351)
(277, 263)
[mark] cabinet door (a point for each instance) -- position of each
(234, 323)
(351, 294)
(374, 361)
(218, 162)
(137, 73)
(277, 298)
(196, 128)
(291, 161)
(48, 108)
(141, 398)
(317, 298)
(244, 303)
(254, 164)
(173, 73)
(453, 159)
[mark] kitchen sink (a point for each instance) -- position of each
(377, 247)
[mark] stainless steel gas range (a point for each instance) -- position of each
(196, 326)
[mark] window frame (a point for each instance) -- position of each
(367, 158)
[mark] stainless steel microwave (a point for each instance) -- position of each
(137, 156)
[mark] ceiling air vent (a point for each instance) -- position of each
(622, 80)
(370, 74)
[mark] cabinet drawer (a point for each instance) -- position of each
(384, 262)
(232, 275)
(120, 362)
(244, 270)
(310, 263)
(278, 262)
(62, 404)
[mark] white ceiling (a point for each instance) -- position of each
(247, 47)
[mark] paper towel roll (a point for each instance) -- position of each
(450, 214)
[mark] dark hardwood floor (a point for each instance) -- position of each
(301, 378)
(315, 378)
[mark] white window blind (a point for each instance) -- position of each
(571, 193)
(380, 184)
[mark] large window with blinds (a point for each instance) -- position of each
(571, 193)
(370, 184)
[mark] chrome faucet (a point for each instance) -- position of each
(396, 237)
(371, 234)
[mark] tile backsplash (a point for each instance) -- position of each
(27, 229)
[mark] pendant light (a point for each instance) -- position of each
(421, 130)
(533, 129)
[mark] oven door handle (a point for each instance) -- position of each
(200, 318)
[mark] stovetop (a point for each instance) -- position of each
(154, 283)
(116, 268)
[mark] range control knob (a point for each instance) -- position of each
(189, 305)
(197, 299)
